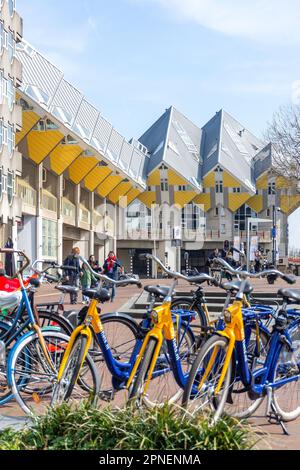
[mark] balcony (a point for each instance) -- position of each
(68, 212)
(49, 202)
(84, 217)
(28, 197)
(98, 222)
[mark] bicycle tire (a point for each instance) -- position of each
(55, 318)
(210, 345)
(79, 348)
(135, 391)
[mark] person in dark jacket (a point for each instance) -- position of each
(73, 275)
(9, 269)
(111, 269)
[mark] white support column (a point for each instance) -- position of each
(77, 203)
(39, 213)
(92, 233)
(60, 191)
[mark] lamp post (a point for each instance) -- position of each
(274, 235)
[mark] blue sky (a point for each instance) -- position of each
(134, 58)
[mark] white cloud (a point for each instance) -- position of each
(273, 21)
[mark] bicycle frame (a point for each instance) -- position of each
(234, 331)
(163, 330)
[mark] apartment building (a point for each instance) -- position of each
(10, 119)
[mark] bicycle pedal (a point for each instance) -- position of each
(107, 395)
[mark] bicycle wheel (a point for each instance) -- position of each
(121, 333)
(137, 387)
(287, 397)
(204, 399)
(80, 379)
(163, 387)
(31, 377)
(242, 406)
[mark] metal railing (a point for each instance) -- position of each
(68, 209)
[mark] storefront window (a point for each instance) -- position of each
(49, 239)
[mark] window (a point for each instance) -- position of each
(11, 45)
(1, 183)
(182, 188)
(268, 212)
(10, 187)
(1, 134)
(272, 189)
(69, 140)
(1, 86)
(219, 187)
(10, 93)
(164, 185)
(40, 126)
(10, 139)
(2, 37)
(236, 190)
(50, 125)
(223, 228)
(216, 212)
(49, 245)
(11, 7)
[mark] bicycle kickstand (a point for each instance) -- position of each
(272, 414)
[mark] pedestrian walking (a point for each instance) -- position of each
(73, 275)
(111, 269)
(8, 265)
(96, 267)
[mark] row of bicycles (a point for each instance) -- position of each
(246, 359)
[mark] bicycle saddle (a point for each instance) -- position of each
(10, 300)
(235, 286)
(67, 289)
(158, 291)
(290, 295)
(102, 295)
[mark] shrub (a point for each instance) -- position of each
(87, 428)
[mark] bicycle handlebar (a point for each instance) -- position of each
(290, 279)
(176, 275)
(103, 277)
(20, 253)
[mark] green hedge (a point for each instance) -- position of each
(86, 428)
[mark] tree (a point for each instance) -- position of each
(284, 133)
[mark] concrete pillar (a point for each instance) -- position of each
(92, 233)
(60, 191)
(39, 213)
(77, 203)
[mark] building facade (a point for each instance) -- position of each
(69, 178)
(10, 119)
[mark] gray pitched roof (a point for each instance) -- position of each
(263, 161)
(228, 143)
(174, 140)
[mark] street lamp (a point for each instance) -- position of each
(274, 235)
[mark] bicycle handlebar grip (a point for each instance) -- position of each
(51, 278)
(289, 278)
(143, 256)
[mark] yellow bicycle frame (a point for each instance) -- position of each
(234, 331)
(84, 329)
(163, 328)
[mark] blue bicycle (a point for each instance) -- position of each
(223, 361)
